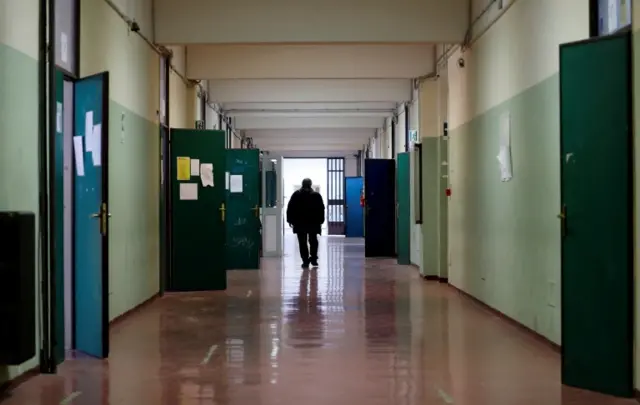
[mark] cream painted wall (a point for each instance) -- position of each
(505, 62)
(21, 36)
(134, 148)
(507, 59)
(636, 114)
(180, 101)
(401, 125)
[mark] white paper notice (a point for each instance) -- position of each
(206, 174)
(64, 48)
(59, 118)
(79, 155)
(195, 167)
(504, 153)
(88, 131)
(189, 191)
(226, 181)
(235, 183)
(96, 139)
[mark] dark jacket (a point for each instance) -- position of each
(305, 211)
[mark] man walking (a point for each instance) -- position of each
(305, 214)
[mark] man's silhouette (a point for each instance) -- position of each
(305, 213)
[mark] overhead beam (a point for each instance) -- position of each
(310, 91)
(309, 147)
(309, 114)
(311, 154)
(340, 133)
(248, 123)
(291, 61)
(230, 107)
(309, 21)
(306, 141)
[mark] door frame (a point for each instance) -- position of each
(278, 210)
(630, 239)
(333, 166)
(166, 256)
(105, 200)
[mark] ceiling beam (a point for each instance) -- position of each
(311, 154)
(310, 91)
(310, 147)
(309, 21)
(230, 107)
(248, 123)
(308, 114)
(309, 61)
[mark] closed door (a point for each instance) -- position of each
(380, 207)
(243, 209)
(596, 215)
(355, 214)
(91, 219)
(403, 210)
(198, 210)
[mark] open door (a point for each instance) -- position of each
(272, 206)
(243, 209)
(380, 207)
(354, 226)
(403, 209)
(596, 215)
(198, 210)
(91, 219)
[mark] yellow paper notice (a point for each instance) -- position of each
(184, 168)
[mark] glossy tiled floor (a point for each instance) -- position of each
(350, 332)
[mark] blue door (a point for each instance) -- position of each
(91, 287)
(380, 207)
(355, 213)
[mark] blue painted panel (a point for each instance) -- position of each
(355, 213)
(89, 288)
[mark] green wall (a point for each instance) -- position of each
(505, 237)
(134, 178)
(18, 145)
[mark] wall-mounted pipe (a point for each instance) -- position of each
(43, 236)
(470, 39)
(406, 128)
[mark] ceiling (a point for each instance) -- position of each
(304, 78)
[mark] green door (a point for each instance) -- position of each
(403, 210)
(243, 209)
(198, 210)
(596, 215)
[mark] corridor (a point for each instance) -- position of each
(353, 331)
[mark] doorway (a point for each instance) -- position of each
(67, 223)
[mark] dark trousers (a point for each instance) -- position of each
(304, 249)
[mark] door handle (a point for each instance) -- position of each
(256, 210)
(562, 216)
(103, 215)
(397, 210)
(223, 211)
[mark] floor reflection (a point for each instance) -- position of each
(350, 331)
